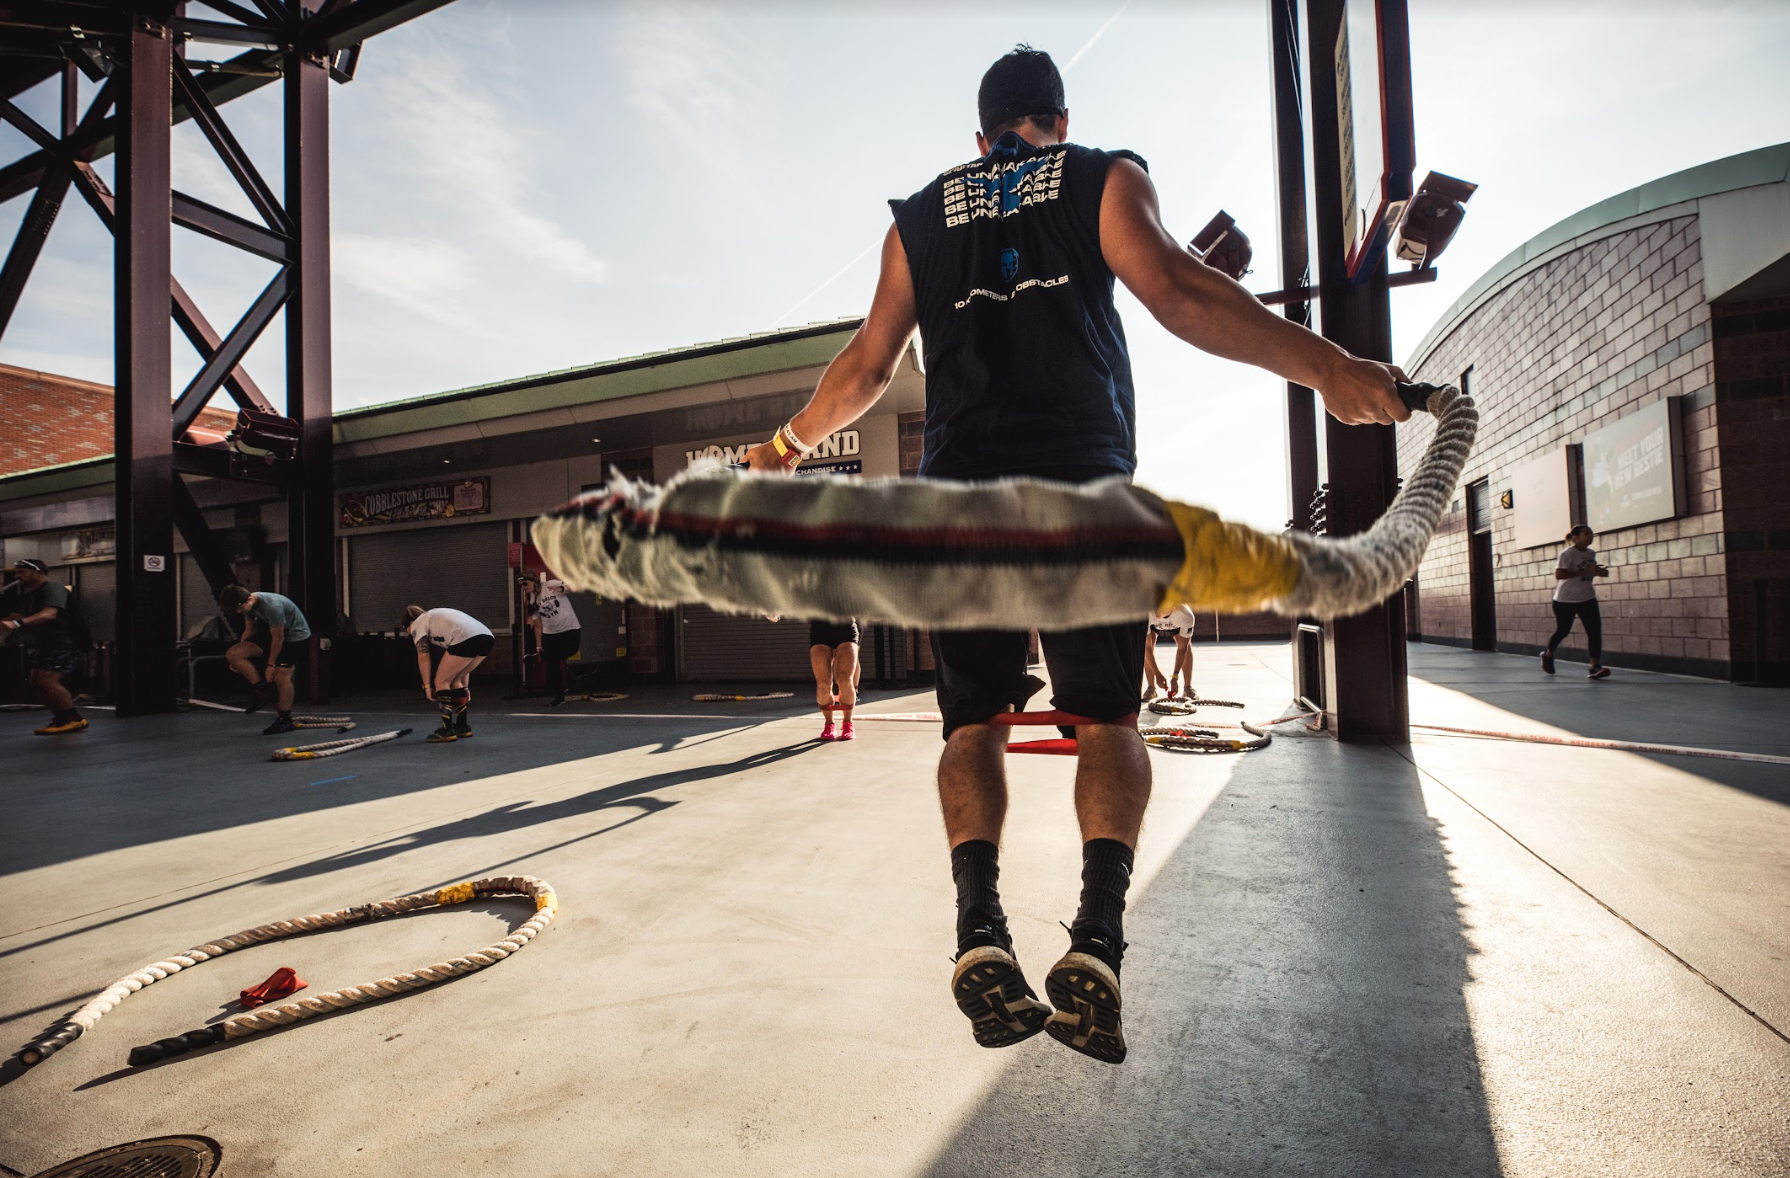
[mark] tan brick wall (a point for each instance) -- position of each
(46, 420)
(1576, 343)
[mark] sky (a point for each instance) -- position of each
(520, 186)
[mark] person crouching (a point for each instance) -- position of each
(449, 647)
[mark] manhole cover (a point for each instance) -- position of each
(158, 1157)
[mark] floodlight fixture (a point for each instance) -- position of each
(1429, 221)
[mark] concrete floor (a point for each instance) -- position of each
(1458, 957)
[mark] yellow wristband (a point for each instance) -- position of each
(783, 443)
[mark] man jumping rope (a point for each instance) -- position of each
(43, 622)
(1006, 265)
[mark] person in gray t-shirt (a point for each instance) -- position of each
(1575, 596)
(275, 633)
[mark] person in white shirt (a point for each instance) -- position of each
(449, 647)
(558, 634)
(1179, 622)
(1575, 596)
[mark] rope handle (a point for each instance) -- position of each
(1416, 394)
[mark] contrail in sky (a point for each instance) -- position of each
(1098, 33)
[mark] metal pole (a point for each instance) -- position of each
(143, 668)
(1364, 662)
(311, 497)
(1303, 456)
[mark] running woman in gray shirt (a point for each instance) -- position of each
(1575, 596)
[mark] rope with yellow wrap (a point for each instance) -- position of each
(1014, 554)
(268, 1017)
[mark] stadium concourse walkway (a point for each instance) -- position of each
(1458, 957)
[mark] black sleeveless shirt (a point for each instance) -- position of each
(1026, 365)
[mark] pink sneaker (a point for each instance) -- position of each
(827, 733)
(848, 732)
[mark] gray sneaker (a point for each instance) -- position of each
(1085, 990)
(994, 996)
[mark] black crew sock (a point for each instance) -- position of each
(980, 920)
(444, 701)
(1099, 926)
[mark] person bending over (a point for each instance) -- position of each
(833, 656)
(450, 645)
(1006, 265)
(1179, 622)
(43, 623)
(274, 637)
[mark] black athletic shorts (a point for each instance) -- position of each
(61, 660)
(831, 634)
(476, 647)
(292, 654)
(1096, 672)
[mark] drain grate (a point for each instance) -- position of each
(158, 1157)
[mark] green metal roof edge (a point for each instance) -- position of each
(66, 476)
(1764, 165)
(631, 376)
(751, 355)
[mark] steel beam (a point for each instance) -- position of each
(230, 151)
(343, 25)
(311, 499)
(28, 243)
(228, 353)
(212, 555)
(205, 340)
(192, 213)
(143, 663)
(1295, 249)
(1364, 659)
(240, 75)
(1303, 474)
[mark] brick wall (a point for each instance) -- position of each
(46, 420)
(1588, 337)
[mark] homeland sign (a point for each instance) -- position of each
(398, 505)
(1634, 473)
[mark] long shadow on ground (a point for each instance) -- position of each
(1293, 1000)
(126, 783)
(1632, 706)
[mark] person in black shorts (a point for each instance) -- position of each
(450, 645)
(1006, 265)
(276, 637)
(833, 656)
(43, 623)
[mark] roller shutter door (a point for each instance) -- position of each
(715, 646)
(461, 566)
(96, 596)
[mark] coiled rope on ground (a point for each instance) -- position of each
(268, 1017)
(1186, 707)
(334, 748)
(339, 723)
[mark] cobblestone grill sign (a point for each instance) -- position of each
(396, 505)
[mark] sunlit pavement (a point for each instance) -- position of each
(1459, 957)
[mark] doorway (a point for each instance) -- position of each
(1483, 602)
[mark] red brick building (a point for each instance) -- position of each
(47, 420)
(1632, 368)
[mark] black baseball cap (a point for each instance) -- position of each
(1024, 82)
(26, 562)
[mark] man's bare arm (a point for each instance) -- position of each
(1216, 315)
(858, 375)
